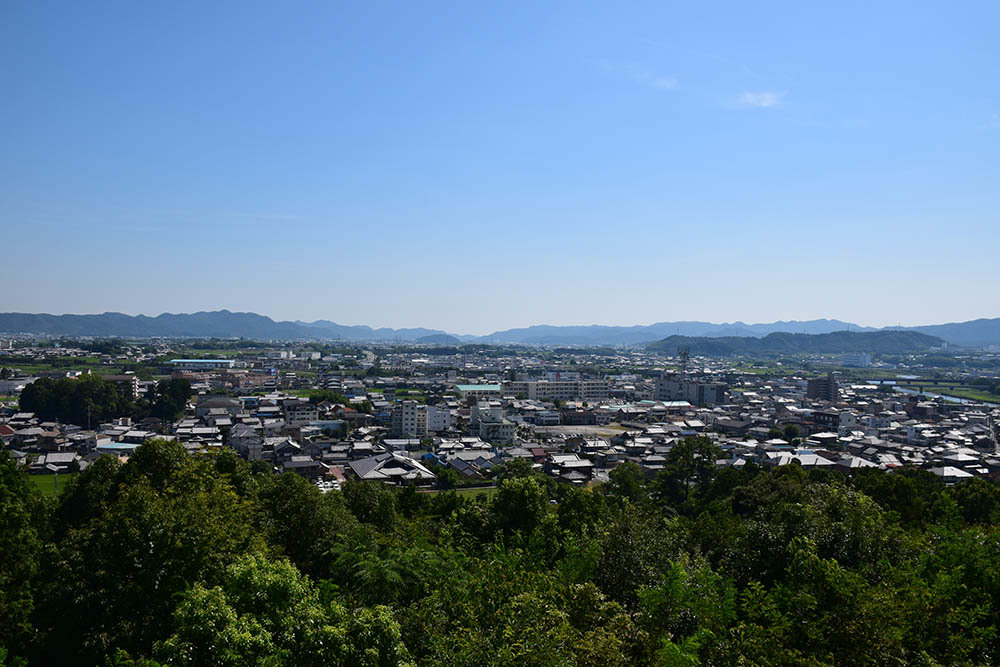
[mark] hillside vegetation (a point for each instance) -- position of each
(877, 342)
(178, 560)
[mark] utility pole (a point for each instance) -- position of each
(993, 433)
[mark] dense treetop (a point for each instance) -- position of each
(88, 399)
(208, 560)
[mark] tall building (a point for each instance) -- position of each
(672, 387)
(408, 418)
(823, 389)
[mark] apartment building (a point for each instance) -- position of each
(438, 419)
(408, 418)
(300, 414)
(563, 390)
(671, 387)
(822, 388)
(478, 390)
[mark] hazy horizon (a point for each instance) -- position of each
(468, 332)
(465, 168)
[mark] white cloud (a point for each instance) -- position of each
(651, 80)
(640, 75)
(767, 99)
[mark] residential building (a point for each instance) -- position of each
(856, 360)
(563, 390)
(300, 414)
(497, 432)
(672, 387)
(392, 468)
(478, 390)
(822, 388)
(408, 418)
(202, 364)
(438, 419)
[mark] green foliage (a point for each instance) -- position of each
(636, 545)
(301, 521)
(320, 395)
(23, 515)
(163, 521)
(447, 478)
(519, 505)
(912, 494)
(168, 399)
(690, 466)
(977, 500)
(207, 560)
(80, 400)
(267, 613)
(627, 482)
(371, 502)
(580, 511)
(691, 608)
(513, 468)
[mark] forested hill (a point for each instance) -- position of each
(878, 342)
(220, 323)
(226, 324)
(173, 559)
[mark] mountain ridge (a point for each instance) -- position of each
(837, 342)
(228, 324)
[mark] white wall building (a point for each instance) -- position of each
(408, 418)
(563, 390)
(438, 419)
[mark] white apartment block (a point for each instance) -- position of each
(408, 418)
(491, 411)
(564, 390)
(438, 419)
(301, 414)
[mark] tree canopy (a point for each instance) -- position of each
(174, 559)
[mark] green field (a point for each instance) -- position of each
(47, 483)
(964, 392)
(471, 492)
(91, 364)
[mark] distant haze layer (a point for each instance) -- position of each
(226, 324)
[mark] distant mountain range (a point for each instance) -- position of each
(226, 324)
(439, 339)
(215, 324)
(636, 335)
(881, 342)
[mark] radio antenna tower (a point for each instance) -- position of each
(684, 355)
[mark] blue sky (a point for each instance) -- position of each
(473, 166)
